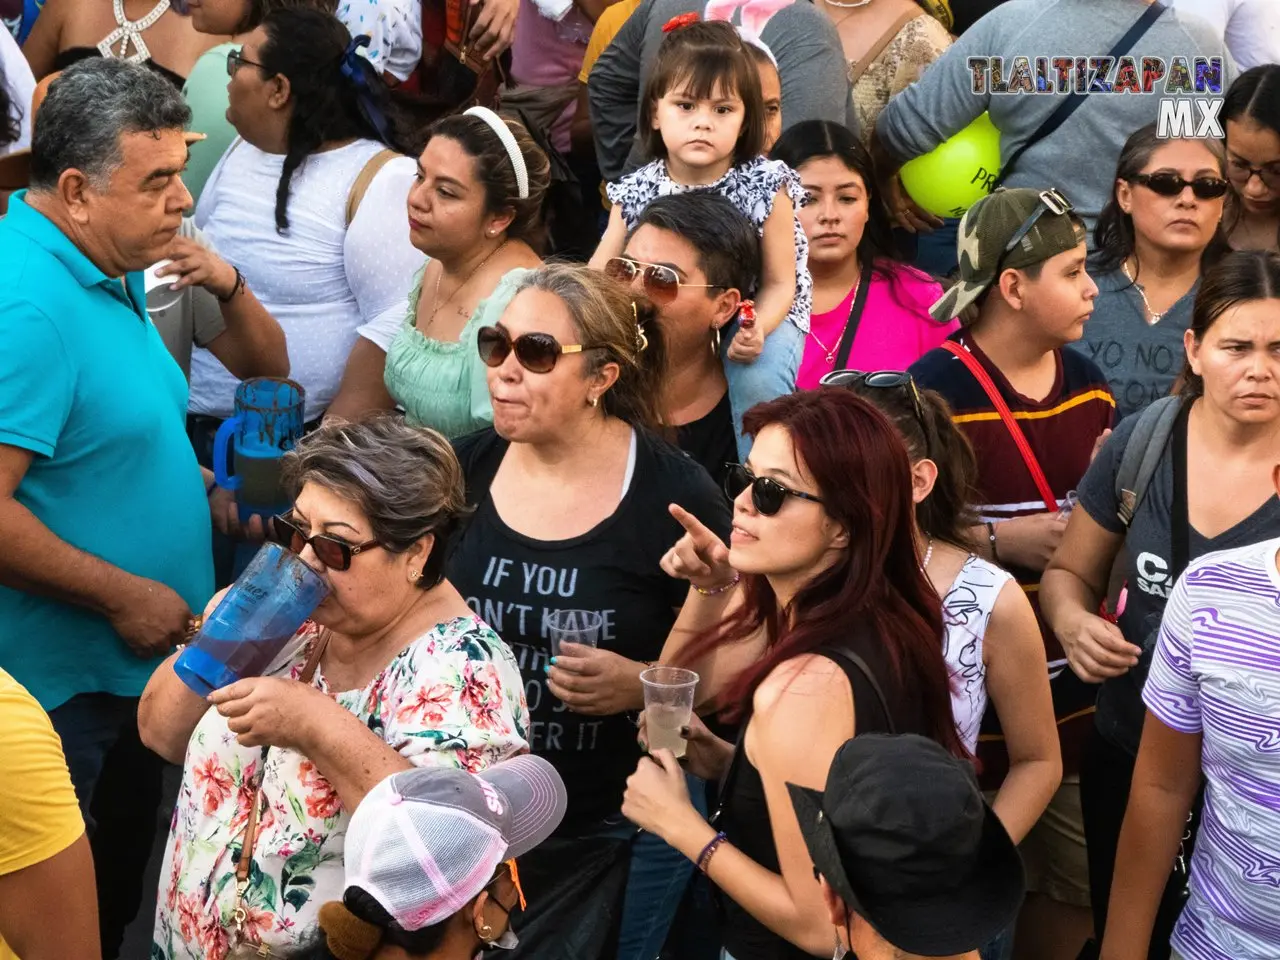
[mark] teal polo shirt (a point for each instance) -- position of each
(87, 386)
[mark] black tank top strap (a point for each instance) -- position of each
(870, 705)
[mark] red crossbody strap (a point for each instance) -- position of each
(1002, 408)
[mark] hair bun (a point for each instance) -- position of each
(348, 936)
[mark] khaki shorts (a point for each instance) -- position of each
(1053, 853)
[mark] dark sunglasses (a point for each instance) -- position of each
(661, 283)
(882, 380)
(1051, 201)
(1169, 184)
(536, 352)
(1240, 172)
(236, 60)
(767, 494)
(333, 553)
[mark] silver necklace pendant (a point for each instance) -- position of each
(129, 33)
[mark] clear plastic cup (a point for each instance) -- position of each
(574, 626)
(159, 295)
(668, 706)
(252, 623)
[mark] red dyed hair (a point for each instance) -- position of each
(863, 474)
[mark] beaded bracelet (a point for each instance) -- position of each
(704, 858)
(737, 577)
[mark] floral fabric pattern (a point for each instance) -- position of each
(752, 187)
(452, 698)
(900, 64)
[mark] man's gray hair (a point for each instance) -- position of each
(88, 107)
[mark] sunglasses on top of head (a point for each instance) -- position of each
(333, 553)
(661, 283)
(767, 494)
(1051, 201)
(882, 380)
(1169, 184)
(536, 352)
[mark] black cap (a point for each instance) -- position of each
(904, 837)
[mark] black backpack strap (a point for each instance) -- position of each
(1180, 524)
(1142, 453)
(1075, 100)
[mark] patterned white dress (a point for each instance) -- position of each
(966, 611)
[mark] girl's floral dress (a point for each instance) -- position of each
(452, 698)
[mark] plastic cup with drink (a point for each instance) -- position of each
(159, 290)
(668, 706)
(574, 626)
(252, 623)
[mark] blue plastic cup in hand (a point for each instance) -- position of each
(251, 624)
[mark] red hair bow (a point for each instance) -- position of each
(682, 20)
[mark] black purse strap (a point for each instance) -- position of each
(1073, 102)
(855, 318)
(1180, 524)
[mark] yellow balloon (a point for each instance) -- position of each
(958, 173)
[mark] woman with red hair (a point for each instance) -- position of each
(814, 624)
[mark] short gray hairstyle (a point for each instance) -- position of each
(405, 480)
(88, 107)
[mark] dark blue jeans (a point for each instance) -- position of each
(118, 783)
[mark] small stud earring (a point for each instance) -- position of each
(594, 401)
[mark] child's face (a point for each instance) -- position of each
(699, 134)
(1060, 300)
(771, 88)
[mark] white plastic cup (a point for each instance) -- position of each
(668, 706)
(574, 626)
(160, 296)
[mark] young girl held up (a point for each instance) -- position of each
(705, 122)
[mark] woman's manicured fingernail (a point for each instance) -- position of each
(554, 659)
(547, 669)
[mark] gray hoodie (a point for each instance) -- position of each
(1080, 157)
(811, 64)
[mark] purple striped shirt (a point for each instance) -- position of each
(1216, 672)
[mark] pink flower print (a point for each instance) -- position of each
(213, 777)
(426, 706)
(190, 917)
(322, 800)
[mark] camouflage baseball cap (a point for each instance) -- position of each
(1009, 228)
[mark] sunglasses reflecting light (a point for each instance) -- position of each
(767, 494)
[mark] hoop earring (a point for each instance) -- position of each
(715, 341)
(486, 933)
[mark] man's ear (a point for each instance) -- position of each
(73, 190)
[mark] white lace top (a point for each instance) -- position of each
(751, 186)
(966, 611)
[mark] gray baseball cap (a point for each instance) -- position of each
(1008, 229)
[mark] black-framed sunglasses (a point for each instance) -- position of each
(236, 60)
(1051, 201)
(661, 283)
(1166, 183)
(882, 380)
(767, 494)
(536, 352)
(1240, 172)
(333, 553)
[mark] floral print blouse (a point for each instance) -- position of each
(452, 698)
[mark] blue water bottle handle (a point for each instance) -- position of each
(222, 440)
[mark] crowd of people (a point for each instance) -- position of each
(967, 521)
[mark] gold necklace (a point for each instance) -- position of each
(437, 306)
(1155, 317)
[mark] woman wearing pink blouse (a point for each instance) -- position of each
(870, 311)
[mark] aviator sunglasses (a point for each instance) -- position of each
(1169, 184)
(333, 553)
(536, 352)
(767, 494)
(661, 283)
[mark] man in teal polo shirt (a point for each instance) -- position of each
(104, 522)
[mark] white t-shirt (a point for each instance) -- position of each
(1251, 27)
(320, 279)
(966, 611)
(21, 84)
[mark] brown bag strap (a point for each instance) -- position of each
(877, 48)
(364, 178)
(251, 829)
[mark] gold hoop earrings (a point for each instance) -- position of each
(715, 341)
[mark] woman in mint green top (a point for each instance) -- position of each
(441, 384)
(475, 210)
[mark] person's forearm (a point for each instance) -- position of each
(1025, 793)
(699, 615)
(168, 713)
(35, 560)
(773, 304)
(1064, 596)
(1153, 826)
(348, 754)
(886, 165)
(980, 534)
(363, 389)
(258, 344)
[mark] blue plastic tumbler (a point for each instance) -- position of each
(252, 623)
(267, 424)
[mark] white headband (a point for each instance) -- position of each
(509, 141)
(753, 38)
